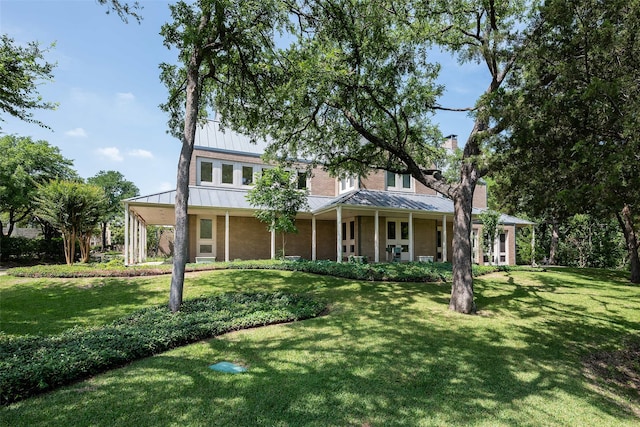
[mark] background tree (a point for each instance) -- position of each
(355, 92)
(116, 189)
(278, 200)
(75, 209)
(21, 70)
(24, 165)
(215, 39)
(577, 96)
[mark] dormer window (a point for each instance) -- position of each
(247, 175)
(227, 173)
(348, 183)
(399, 182)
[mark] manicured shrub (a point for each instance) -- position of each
(30, 364)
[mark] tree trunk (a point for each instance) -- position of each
(631, 238)
(104, 235)
(181, 239)
(553, 250)
(462, 286)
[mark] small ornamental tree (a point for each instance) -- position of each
(278, 200)
(75, 209)
(490, 229)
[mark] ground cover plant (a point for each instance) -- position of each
(33, 364)
(387, 353)
(399, 272)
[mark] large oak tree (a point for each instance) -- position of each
(355, 91)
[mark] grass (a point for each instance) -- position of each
(386, 354)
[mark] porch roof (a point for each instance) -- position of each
(158, 208)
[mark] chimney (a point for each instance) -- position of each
(451, 144)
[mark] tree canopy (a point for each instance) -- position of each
(574, 102)
(355, 91)
(24, 165)
(21, 70)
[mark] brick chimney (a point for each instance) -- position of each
(451, 143)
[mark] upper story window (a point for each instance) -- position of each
(216, 172)
(348, 183)
(399, 182)
(302, 180)
(227, 173)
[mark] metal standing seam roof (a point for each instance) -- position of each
(215, 197)
(211, 136)
(232, 198)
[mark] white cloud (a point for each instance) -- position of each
(141, 153)
(76, 133)
(166, 186)
(125, 97)
(112, 153)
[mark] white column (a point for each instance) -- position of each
(411, 250)
(339, 233)
(226, 236)
(126, 234)
(144, 241)
(376, 237)
(135, 240)
(314, 241)
(444, 238)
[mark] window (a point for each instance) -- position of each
(391, 179)
(352, 230)
(206, 229)
(391, 230)
(347, 184)
(206, 172)
(404, 230)
(396, 181)
(227, 174)
(302, 180)
(344, 231)
(406, 181)
(247, 175)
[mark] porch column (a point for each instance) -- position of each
(376, 237)
(411, 249)
(226, 236)
(314, 241)
(144, 241)
(126, 234)
(339, 233)
(444, 238)
(135, 240)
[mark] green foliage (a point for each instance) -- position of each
(24, 165)
(30, 364)
(490, 229)
(75, 209)
(278, 200)
(21, 70)
(25, 249)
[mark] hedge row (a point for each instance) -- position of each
(394, 272)
(32, 364)
(23, 248)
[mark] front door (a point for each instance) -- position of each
(206, 246)
(398, 239)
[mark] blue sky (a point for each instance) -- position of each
(108, 88)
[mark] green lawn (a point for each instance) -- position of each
(386, 354)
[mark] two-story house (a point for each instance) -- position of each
(383, 217)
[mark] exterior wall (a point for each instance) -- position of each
(480, 196)
(424, 237)
(248, 238)
(322, 184)
(375, 181)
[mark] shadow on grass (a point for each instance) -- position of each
(49, 306)
(387, 354)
